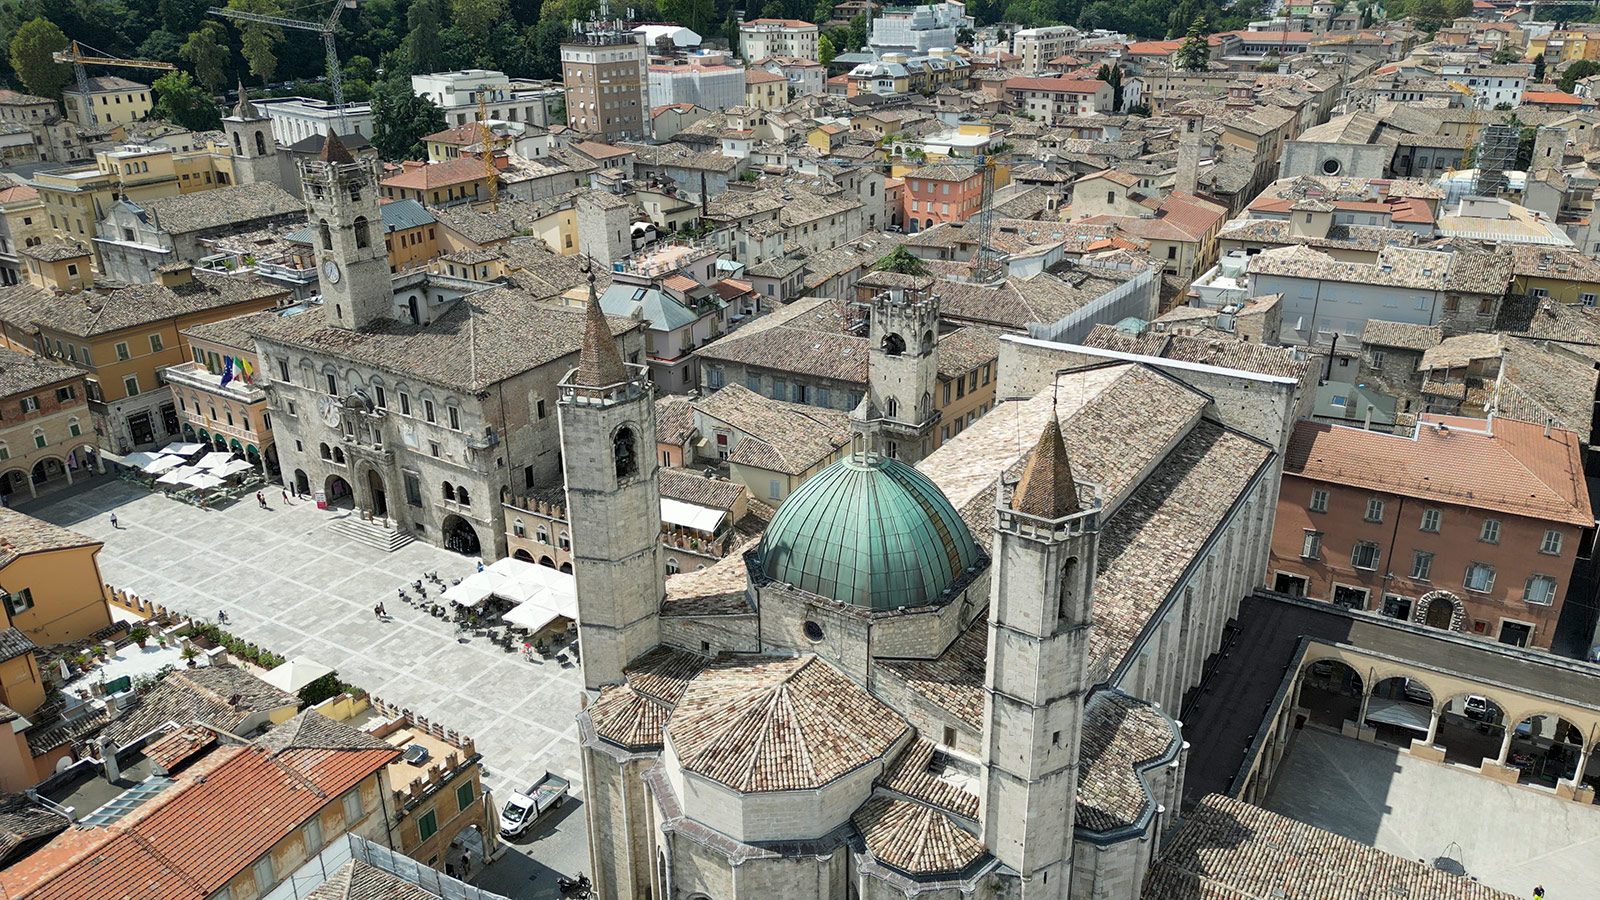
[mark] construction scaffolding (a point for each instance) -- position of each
(1497, 154)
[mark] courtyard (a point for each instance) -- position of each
(292, 582)
(1507, 837)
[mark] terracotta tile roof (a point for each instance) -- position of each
(1403, 335)
(664, 673)
(1517, 471)
(13, 643)
(778, 436)
(1122, 736)
(237, 207)
(24, 824)
(1230, 850)
(718, 589)
(762, 76)
(1535, 261)
(170, 752)
(54, 251)
(428, 176)
(21, 533)
(109, 309)
(1162, 525)
(952, 681)
(690, 486)
(674, 419)
(1059, 85)
(1553, 97)
(779, 724)
(309, 730)
(916, 839)
(356, 880)
(787, 23)
(1046, 489)
(911, 774)
(628, 718)
(1461, 350)
(190, 841)
(1538, 385)
(18, 192)
(205, 695)
(967, 348)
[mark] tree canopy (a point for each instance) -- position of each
(901, 261)
(1195, 54)
(31, 48)
(181, 101)
(401, 119)
(1583, 68)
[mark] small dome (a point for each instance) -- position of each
(870, 531)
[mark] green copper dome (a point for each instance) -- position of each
(870, 531)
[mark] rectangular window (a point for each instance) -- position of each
(1319, 500)
(1551, 543)
(1430, 521)
(313, 836)
(352, 807)
(427, 825)
(333, 383)
(1539, 590)
(19, 602)
(264, 874)
(465, 795)
(1490, 532)
(1364, 555)
(427, 410)
(122, 350)
(155, 343)
(433, 449)
(1479, 578)
(38, 442)
(413, 489)
(379, 398)
(63, 394)
(74, 429)
(283, 369)
(1421, 564)
(1374, 510)
(455, 417)
(1311, 545)
(30, 404)
(1377, 359)
(405, 404)
(774, 490)
(753, 382)
(131, 385)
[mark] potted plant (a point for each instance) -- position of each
(139, 635)
(189, 654)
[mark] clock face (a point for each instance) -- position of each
(330, 270)
(329, 407)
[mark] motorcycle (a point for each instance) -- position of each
(574, 887)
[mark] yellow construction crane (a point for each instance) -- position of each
(79, 59)
(488, 145)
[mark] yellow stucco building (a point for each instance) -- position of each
(50, 581)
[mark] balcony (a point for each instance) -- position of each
(193, 375)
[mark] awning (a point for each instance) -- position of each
(163, 464)
(688, 515)
(179, 448)
(233, 467)
(1412, 716)
(531, 615)
(519, 582)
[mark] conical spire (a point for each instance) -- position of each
(333, 150)
(1047, 490)
(599, 363)
(245, 110)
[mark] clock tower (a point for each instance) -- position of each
(341, 195)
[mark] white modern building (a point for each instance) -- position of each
(457, 93)
(761, 38)
(1491, 85)
(297, 118)
(711, 87)
(682, 38)
(806, 76)
(1038, 46)
(914, 30)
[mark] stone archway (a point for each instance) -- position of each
(378, 496)
(337, 491)
(1442, 610)
(460, 537)
(523, 555)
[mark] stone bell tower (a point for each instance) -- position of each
(255, 153)
(1045, 541)
(899, 413)
(341, 196)
(608, 451)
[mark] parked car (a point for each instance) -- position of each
(1416, 693)
(1477, 707)
(523, 808)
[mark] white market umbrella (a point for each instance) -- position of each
(177, 476)
(203, 480)
(215, 459)
(296, 674)
(137, 459)
(233, 467)
(531, 615)
(183, 448)
(163, 464)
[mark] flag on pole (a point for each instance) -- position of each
(227, 370)
(247, 371)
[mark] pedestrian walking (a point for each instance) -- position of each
(261, 500)
(222, 616)
(466, 862)
(114, 521)
(285, 498)
(1538, 893)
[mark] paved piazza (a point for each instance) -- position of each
(294, 584)
(1510, 838)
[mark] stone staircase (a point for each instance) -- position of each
(379, 533)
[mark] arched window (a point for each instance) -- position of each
(624, 453)
(338, 455)
(326, 453)
(566, 541)
(363, 238)
(238, 146)
(927, 341)
(261, 144)
(542, 534)
(672, 566)
(327, 234)
(518, 530)
(448, 491)
(462, 498)
(894, 344)
(892, 407)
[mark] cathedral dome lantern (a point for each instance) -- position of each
(869, 531)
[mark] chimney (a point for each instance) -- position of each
(176, 274)
(1367, 424)
(108, 756)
